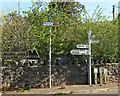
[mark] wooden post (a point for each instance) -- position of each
(105, 75)
(101, 76)
(95, 75)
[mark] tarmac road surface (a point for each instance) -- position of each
(110, 88)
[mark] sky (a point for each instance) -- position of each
(11, 5)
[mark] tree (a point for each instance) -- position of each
(106, 32)
(15, 33)
(60, 35)
(66, 14)
(72, 29)
(74, 22)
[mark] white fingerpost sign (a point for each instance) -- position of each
(81, 46)
(50, 24)
(94, 41)
(79, 52)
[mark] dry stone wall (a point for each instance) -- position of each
(38, 76)
(113, 71)
(17, 75)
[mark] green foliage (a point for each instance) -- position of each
(74, 22)
(15, 33)
(106, 32)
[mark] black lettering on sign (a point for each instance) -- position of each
(14, 55)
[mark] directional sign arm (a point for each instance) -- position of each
(79, 52)
(81, 46)
(50, 24)
(95, 41)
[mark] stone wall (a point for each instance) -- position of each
(22, 75)
(38, 76)
(113, 71)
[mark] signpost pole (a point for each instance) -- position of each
(89, 57)
(49, 18)
(86, 52)
(50, 60)
(50, 56)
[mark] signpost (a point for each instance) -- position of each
(81, 46)
(94, 41)
(48, 24)
(90, 41)
(86, 52)
(79, 52)
(51, 24)
(89, 57)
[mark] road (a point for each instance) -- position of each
(111, 88)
